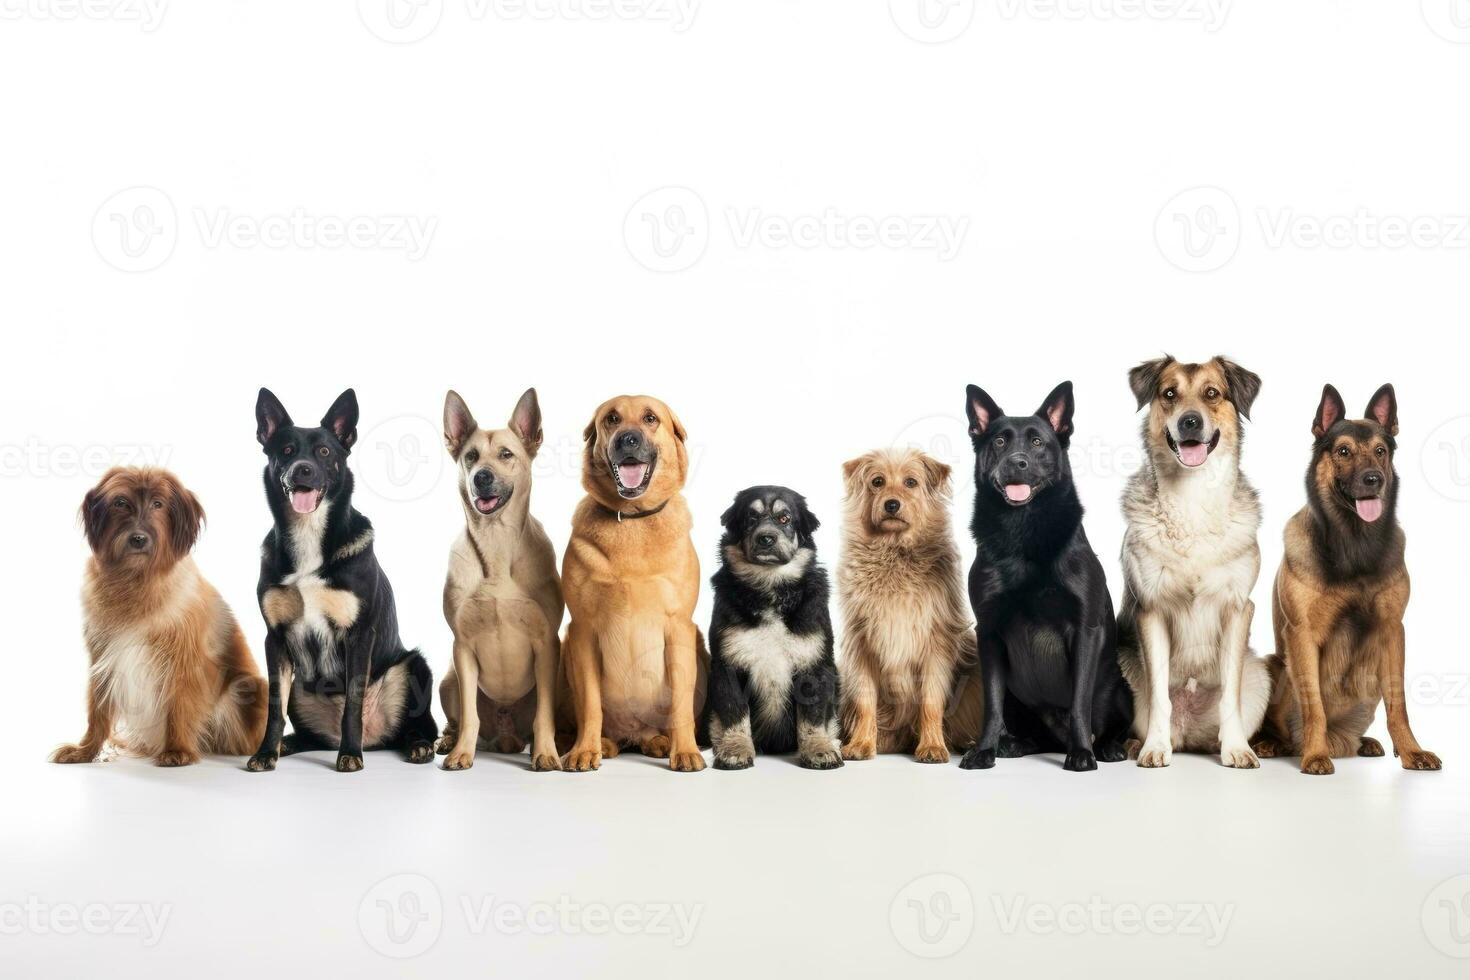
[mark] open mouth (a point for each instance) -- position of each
(304, 500)
(1192, 452)
(1369, 508)
(1016, 494)
(489, 505)
(632, 476)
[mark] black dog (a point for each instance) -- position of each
(333, 629)
(1044, 618)
(773, 679)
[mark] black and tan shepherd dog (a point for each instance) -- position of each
(1338, 608)
(333, 658)
(1044, 619)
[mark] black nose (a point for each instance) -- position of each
(138, 540)
(1020, 462)
(765, 540)
(891, 506)
(1373, 478)
(1191, 424)
(630, 441)
(483, 480)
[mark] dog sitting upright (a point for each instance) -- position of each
(1339, 599)
(502, 597)
(1190, 560)
(333, 657)
(1044, 620)
(773, 678)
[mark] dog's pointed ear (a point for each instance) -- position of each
(95, 506)
(1057, 410)
(341, 418)
(270, 416)
(1144, 379)
(525, 421)
(459, 424)
(1329, 411)
(1383, 408)
(1241, 386)
(980, 409)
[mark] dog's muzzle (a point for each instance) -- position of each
(768, 544)
(632, 460)
(1015, 479)
(1365, 490)
(304, 484)
(490, 492)
(1191, 440)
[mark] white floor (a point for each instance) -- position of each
(636, 871)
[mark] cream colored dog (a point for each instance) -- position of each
(502, 597)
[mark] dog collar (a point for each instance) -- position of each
(636, 514)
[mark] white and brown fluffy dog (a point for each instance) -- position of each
(1190, 560)
(909, 676)
(171, 675)
(502, 597)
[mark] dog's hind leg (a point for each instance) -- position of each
(1114, 726)
(416, 734)
(1025, 733)
(304, 740)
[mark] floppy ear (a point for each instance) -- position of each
(1144, 379)
(185, 518)
(806, 521)
(681, 437)
(1329, 411)
(94, 512)
(459, 424)
(341, 418)
(980, 410)
(589, 436)
(1383, 408)
(1057, 410)
(679, 431)
(938, 474)
(851, 467)
(729, 514)
(1241, 386)
(270, 416)
(525, 421)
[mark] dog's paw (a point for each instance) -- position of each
(420, 753)
(445, 743)
(734, 761)
(610, 749)
(71, 754)
(978, 758)
(1267, 748)
(349, 763)
(1370, 748)
(829, 759)
(1155, 755)
(509, 744)
(931, 754)
(1111, 752)
(1010, 747)
(261, 762)
(1239, 757)
(581, 760)
(545, 762)
(1317, 765)
(1421, 761)
(459, 759)
(1081, 760)
(859, 749)
(686, 761)
(175, 758)
(655, 746)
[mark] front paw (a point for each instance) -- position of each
(1155, 754)
(581, 760)
(828, 759)
(176, 757)
(1112, 752)
(420, 753)
(860, 748)
(1239, 757)
(735, 760)
(1010, 747)
(347, 762)
(1081, 760)
(71, 754)
(1421, 761)
(261, 762)
(1370, 748)
(459, 759)
(445, 744)
(655, 746)
(545, 762)
(978, 758)
(686, 761)
(1317, 765)
(931, 754)
(1267, 748)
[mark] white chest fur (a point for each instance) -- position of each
(770, 654)
(130, 676)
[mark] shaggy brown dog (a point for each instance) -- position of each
(634, 661)
(171, 675)
(909, 676)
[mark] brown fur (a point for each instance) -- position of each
(171, 675)
(633, 660)
(1205, 388)
(909, 681)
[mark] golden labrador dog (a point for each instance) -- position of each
(634, 661)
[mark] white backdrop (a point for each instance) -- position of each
(804, 225)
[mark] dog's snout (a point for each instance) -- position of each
(890, 506)
(484, 479)
(1019, 461)
(138, 540)
(765, 539)
(1191, 424)
(1373, 478)
(302, 472)
(629, 441)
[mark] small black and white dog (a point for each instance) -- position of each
(773, 677)
(1044, 617)
(333, 657)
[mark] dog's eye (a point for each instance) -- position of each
(1212, 393)
(613, 418)
(910, 483)
(158, 505)
(1000, 442)
(288, 450)
(650, 419)
(784, 519)
(1036, 441)
(877, 481)
(1170, 394)
(120, 502)
(323, 451)
(1380, 451)
(506, 454)
(1344, 451)
(471, 458)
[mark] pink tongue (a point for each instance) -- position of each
(486, 504)
(1193, 453)
(304, 501)
(1018, 492)
(631, 475)
(1369, 510)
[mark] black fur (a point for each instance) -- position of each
(1044, 618)
(315, 459)
(791, 615)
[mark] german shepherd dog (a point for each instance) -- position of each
(1338, 604)
(1044, 627)
(773, 676)
(1190, 560)
(333, 658)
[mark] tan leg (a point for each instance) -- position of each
(584, 677)
(1153, 634)
(467, 669)
(99, 728)
(934, 688)
(1390, 643)
(860, 708)
(1304, 661)
(543, 727)
(449, 701)
(681, 667)
(1235, 750)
